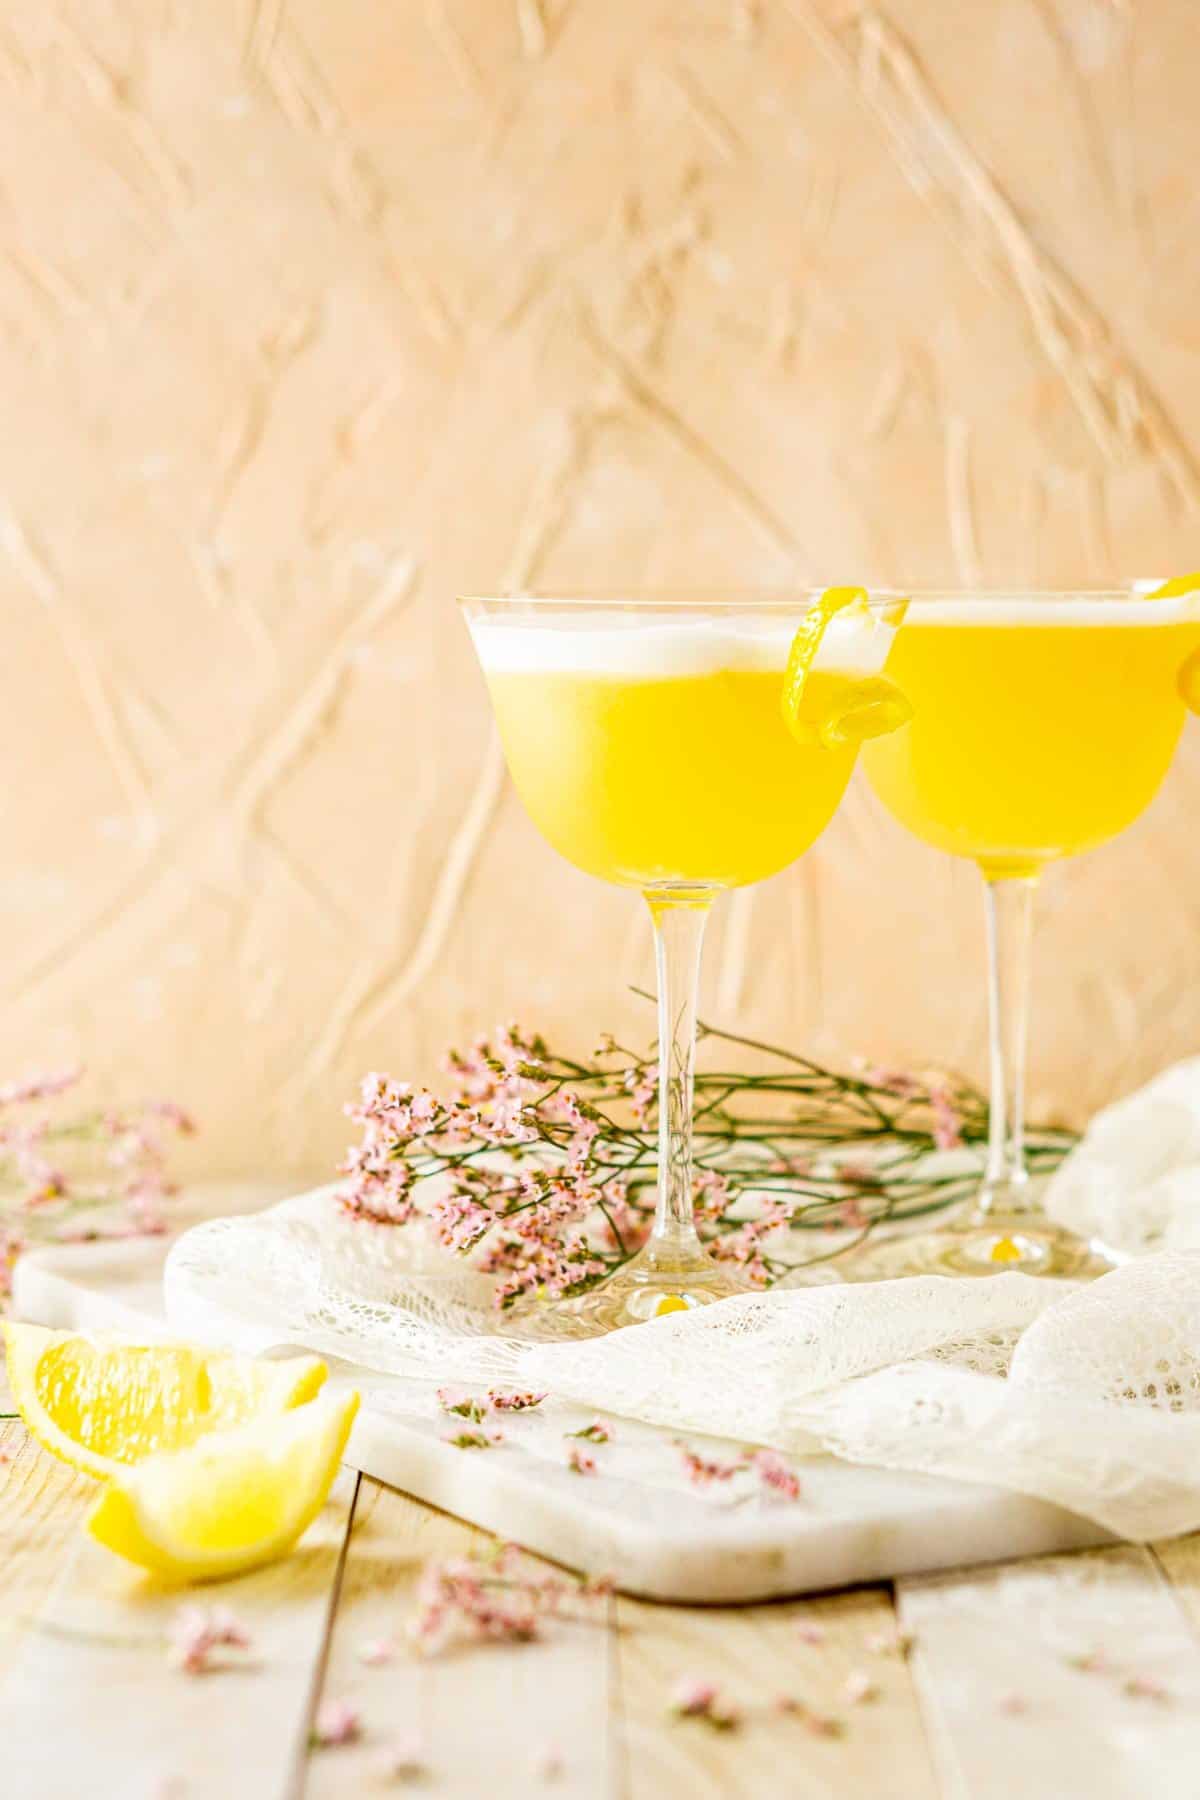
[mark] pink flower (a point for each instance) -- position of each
(712, 1194)
(703, 1472)
(1013, 1705)
(894, 1081)
(39, 1087)
(697, 1698)
(595, 1433)
(475, 1440)
(377, 1651)
(337, 1723)
(777, 1476)
(502, 1402)
(548, 1762)
(1146, 1687)
(462, 1405)
(857, 1687)
(404, 1759)
(858, 1174)
(947, 1119)
(197, 1631)
(819, 1724)
(641, 1084)
(1090, 1662)
(579, 1462)
(174, 1116)
(465, 1597)
(692, 1695)
(808, 1633)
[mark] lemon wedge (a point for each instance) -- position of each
(1188, 679)
(1176, 588)
(104, 1403)
(832, 709)
(232, 1501)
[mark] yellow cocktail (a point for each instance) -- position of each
(1042, 725)
(1040, 728)
(680, 779)
(649, 744)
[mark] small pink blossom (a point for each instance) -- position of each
(894, 1081)
(819, 1724)
(697, 1698)
(39, 1087)
(1013, 1705)
(777, 1476)
(337, 1723)
(702, 1471)
(501, 1402)
(598, 1432)
(809, 1633)
(404, 1759)
(857, 1687)
(475, 1440)
(548, 1762)
(197, 1631)
(1146, 1687)
(641, 1084)
(377, 1651)
(1090, 1662)
(463, 1406)
(858, 1174)
(579, 1462)
(947, 1119)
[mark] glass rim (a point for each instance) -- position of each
(780, 599)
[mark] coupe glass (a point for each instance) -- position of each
(1042, 725)
(646, 739)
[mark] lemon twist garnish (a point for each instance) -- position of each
(1176, 588)
(832, 710)
(1188, 682)
(1188, 679)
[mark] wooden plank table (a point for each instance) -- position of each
(1071, 1675)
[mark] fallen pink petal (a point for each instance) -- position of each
(858, 1687)
(337, 1723)
(196, 1633)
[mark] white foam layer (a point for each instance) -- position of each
(650, 645)
(583, 640)
(1056, 609)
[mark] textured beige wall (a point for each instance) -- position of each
(313, 312)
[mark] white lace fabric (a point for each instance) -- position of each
(1088, 1397)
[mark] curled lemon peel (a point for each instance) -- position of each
(1176, 588)
(1188, 682)
(1188, 679)
(835, 710)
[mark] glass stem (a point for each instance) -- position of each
(1009, 904)
(679, 921)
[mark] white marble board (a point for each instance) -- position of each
(655, 1534)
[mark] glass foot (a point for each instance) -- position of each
(646, 1288)
(982, 1244)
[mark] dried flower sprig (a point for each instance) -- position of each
(542, 1167)
(69, 1175)
(198, 1632)
(496, 1595)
